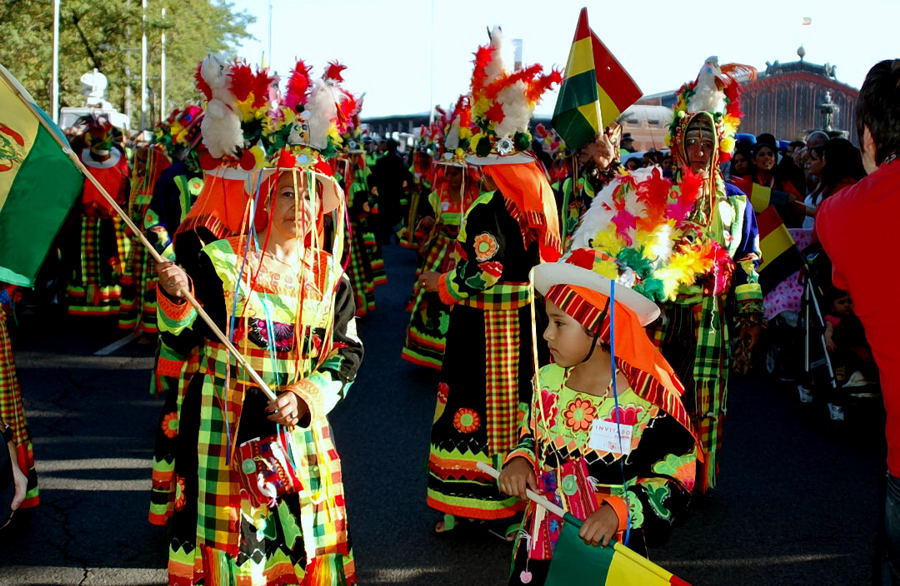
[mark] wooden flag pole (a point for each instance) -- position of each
(66, 148)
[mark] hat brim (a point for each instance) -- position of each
(451, 164)
(556, 273)
(332, 193)
(513, 159)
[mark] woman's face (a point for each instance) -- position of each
(815, 162)
(291, 192)
(453, 175)
(765, 159)
(741, 164)
(567, 339)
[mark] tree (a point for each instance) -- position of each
(107, 36)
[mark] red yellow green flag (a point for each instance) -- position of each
(595, 91)
(576, 563)
(38, 184)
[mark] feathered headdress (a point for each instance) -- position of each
(238, 99)
(452, 133)
(502, 104)
(714, 94)
(99, 131)
(641, 223)
(309, 115)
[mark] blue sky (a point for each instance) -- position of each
(409, 54)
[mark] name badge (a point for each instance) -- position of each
(605, 437)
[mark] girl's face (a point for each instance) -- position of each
(453, 175)
(741, 165)
(765, 159)
(842, 305)
(287, 220)
(816, 163)
(567, 339)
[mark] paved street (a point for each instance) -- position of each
(797, 503)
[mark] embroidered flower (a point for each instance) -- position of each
(625, 416)
(485, 247)
(180, 497)
(466, 420)
(170, 425)
(549, 406)
(580, 413)
(443, 392)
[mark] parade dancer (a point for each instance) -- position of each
(94, 287)
(279, 291)
(511, 227)
(693, 331)
(456, 188)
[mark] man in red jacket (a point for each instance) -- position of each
(858, 227)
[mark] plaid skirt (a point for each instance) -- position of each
(12, 412)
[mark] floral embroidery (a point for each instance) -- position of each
(485, 247)
(466, 420)
(180, 497)
(625, 416)
(579, 414)
(170, 425)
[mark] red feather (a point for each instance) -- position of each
(297, 86)
(495, 113)
(242, 80)
(542, 84)
(334, 71)
(483, 57)
(733, 93)
(654, 194)
(201, 84)
(261, 84)
(505, 81)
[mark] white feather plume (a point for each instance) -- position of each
(707, 95)
(496, 66)
(221, 125)
(320, 113)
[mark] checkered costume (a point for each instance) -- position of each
(217, 534)
(487, 368)
(693, 331)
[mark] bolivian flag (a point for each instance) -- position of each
(780, 255)
(595, 91)
(38, 184)
(576, 563)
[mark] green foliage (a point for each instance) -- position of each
(107, 36)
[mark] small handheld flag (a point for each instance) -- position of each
(595, 91)
(575, 563)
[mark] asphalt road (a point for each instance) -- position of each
(798, 501)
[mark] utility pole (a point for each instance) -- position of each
(54, 89)
(143, 64)
(162, 70)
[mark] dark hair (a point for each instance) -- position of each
(878, 108)
(767, 139)
(842, 161)
(797, 143)
(760, 146)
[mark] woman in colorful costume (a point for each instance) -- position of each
(456, 187)
(282, 297)
(12, 410)
(693, 331)
(94, 287)
(630, 477)
(509, 229)
(138, 302)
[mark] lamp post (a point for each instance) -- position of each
(54, 89)
(143, 64)
(162, 69)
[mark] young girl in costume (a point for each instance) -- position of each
(607, 437)
(570, 448)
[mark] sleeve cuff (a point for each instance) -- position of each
(519, 453)
(174, 308)
(444, 291)
(620, 508)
